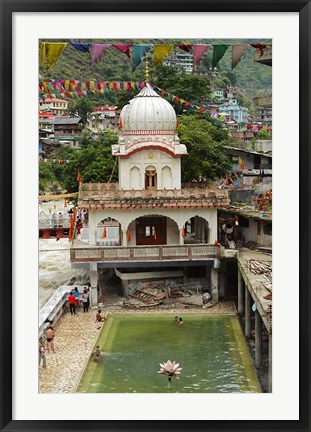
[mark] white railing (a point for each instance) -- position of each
(54, 308)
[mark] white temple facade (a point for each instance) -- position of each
(148, 226)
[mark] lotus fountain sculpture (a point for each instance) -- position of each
(171, 370)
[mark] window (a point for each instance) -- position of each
(267, 228)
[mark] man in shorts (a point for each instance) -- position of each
(50, 334)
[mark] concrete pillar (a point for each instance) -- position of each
(248, 312)
(214, 284)
(270, 365)
(125, 287)
(241, 294)
(124, 240)
(92, 229)
(258, 339)
(94, 282)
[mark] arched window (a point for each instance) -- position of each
(166, 177)
(150, 177)
(135, 178)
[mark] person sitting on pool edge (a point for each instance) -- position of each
(96, 354)
(100, 318)
(180, 322)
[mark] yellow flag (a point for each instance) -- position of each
(160, 52)
(42, 53)
(53, 51)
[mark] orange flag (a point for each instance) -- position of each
(155, 234)
(79, 178)
(104, 234)
(128, 235)
(183, 231)
(227, 180)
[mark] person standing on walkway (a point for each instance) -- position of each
(85, 300)
(42, 353)
(72, 303)
(50, 334)
(76, 294)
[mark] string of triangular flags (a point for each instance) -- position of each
(53, 161)
(50, 51)
(71, 88)
(91, 87)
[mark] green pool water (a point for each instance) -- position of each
(210, 349)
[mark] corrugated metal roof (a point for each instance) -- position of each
(66, 120)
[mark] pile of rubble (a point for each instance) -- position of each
(145, 297)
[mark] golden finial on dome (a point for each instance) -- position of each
(147, 71)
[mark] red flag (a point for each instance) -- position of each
(227, 180)
(124, 48)
(128, 235)
(186, 47)
(104, 234)
(183, 231)
(79, 178)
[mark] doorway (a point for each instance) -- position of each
(151, 230)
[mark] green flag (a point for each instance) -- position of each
(218, 53)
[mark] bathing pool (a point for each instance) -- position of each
(211, 350)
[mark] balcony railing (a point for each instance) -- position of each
(145, 253)
(109, 196)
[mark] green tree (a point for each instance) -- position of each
(46, 176)
(81, 107)
(192, 88)
(205, 142)
(94, 162)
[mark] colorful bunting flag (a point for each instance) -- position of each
(128, 235)
(124, 48)
(199, 51)
(79, 178)
(186, 47)
(218, 53)
(80, 46)
(50, 51)
(138, 53)
(238, 52)
(161, 52)
(259, 47)
(97, 51)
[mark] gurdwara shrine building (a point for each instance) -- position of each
(148, 229)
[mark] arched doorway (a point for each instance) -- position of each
(108, 232)
(151, 230)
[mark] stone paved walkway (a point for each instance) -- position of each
(75, 340)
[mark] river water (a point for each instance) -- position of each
(54, 263)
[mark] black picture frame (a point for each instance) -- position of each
(10, 7)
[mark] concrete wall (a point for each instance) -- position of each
(250, 234)
(262, 238)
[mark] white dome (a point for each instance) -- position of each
(148, 111)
